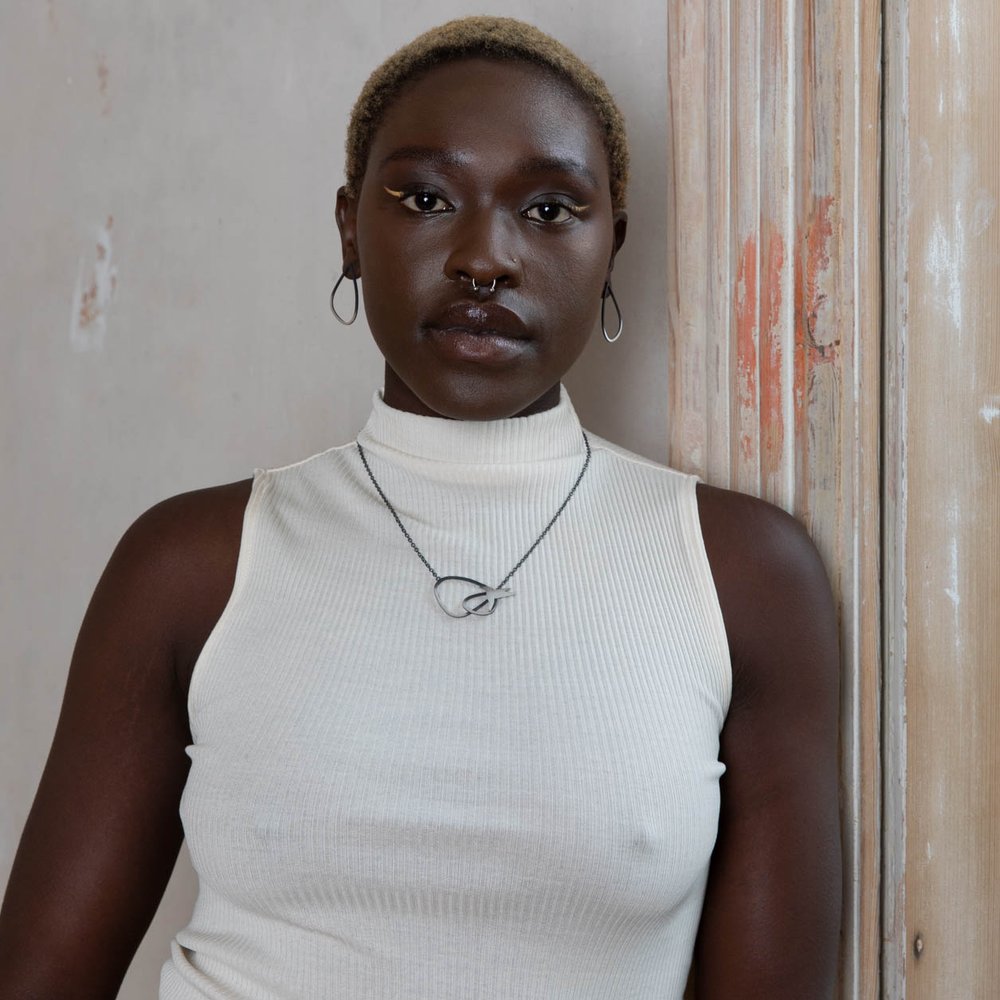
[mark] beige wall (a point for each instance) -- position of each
(167, 174)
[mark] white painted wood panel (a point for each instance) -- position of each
(942, 252)
(773, 281)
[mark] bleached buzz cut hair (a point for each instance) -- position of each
(499, 38)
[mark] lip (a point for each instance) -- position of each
(480, 333)
(458, 345)
(480, 319)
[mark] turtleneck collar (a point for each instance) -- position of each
(553, 433)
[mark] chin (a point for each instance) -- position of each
(479, 399)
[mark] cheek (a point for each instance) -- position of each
(578, 259)
(573, 276)
(397, 276)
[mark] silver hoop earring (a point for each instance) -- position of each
(333, 295)
(604, 301)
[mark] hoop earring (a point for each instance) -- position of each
(604, 301)
(333, 295)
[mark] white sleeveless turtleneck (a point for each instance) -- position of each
(386, 802)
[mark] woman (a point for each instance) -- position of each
(484, 706)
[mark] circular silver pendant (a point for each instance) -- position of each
(461, 596)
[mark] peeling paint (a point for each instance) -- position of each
(955, 24)
(952, 591)
(103, 75)
(692, 435)
(91, 297)
(771, 388)
(817, 246)
(984, 211)
(746, 348)
(943, 264)
(991, 409)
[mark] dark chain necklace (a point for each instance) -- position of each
(483, 599)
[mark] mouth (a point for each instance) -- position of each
(482, 319)
(478, 333)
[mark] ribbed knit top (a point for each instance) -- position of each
(387, 802)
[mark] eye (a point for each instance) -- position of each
(423, 202)
(552, 212)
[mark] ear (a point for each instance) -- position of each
(619, 222)
(347, 223)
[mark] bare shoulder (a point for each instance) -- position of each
(199, 521)
(104, 830)
(773, 587)
(762, 538)
(181, 556)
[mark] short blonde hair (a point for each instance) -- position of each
(501, 38)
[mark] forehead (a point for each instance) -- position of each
(504, 110)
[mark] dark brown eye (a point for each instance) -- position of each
(425, 202)
(549, 211)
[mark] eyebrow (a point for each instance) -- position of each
(557, 164)
(437, 157)
(426, 154)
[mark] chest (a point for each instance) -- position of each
(513, 770)
(352, 740)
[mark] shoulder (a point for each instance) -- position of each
(741, 527)
(772, 585)
(184, 534)
(174, 568)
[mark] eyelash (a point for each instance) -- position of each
(403, 196)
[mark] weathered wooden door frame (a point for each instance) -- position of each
(774, 285)
(941, 513)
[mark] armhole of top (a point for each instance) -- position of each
(248, 540)
(709, 593)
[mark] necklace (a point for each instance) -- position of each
(483, 599)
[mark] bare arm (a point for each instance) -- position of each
(103, 833)
(771, 922)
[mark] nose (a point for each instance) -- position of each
(484, 250)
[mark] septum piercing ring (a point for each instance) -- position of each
(480, 288)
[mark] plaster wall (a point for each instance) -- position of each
(167, 182)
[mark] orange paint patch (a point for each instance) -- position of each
(816, 244)
(89, 310)
(772, 426)
(746, 347)
(96, 294)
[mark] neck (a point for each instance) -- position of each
(400, 396)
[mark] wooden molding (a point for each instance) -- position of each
(774, 291)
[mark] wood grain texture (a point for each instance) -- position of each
(773, 282)
(896, 319)
(946, 215)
